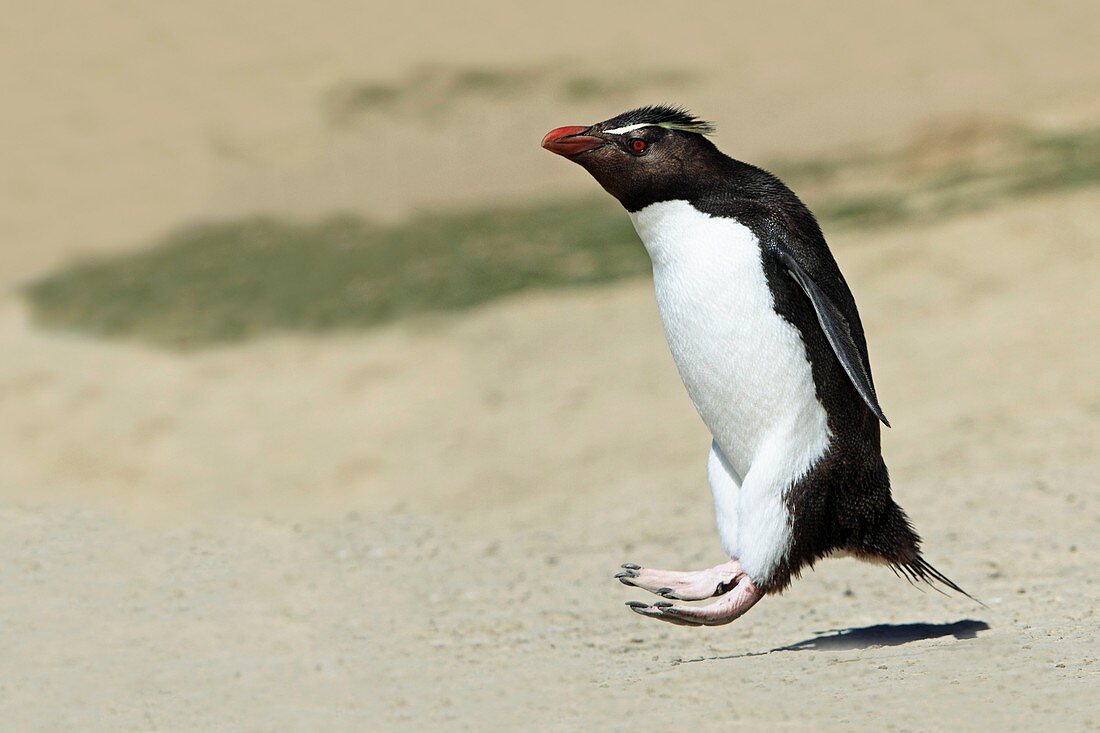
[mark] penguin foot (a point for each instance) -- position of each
(694, 585)
(729, 607)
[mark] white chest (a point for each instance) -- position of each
(743, 365)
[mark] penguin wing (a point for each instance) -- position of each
(836, 327)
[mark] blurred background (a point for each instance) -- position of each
(329, 400)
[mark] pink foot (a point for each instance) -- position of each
(729, 607)
(694, 585)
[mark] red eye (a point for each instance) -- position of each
(637, 145)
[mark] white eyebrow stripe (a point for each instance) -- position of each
(630, 128)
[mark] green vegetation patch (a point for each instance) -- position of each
(226, 281)
(430, 90)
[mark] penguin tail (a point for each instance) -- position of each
(919, 570)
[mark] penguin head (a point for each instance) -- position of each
(647, 154)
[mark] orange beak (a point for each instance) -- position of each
(568, 141)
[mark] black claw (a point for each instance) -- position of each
(662, 604)
(663, 591)
(630, 566)
(637, 604)
(626, 574)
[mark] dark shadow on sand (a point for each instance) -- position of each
(868, 637)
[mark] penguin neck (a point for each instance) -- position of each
(666, 229)
(672, 230)
(706, 178)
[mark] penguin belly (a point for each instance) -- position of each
(744, 366)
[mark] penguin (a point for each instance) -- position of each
(766, 337)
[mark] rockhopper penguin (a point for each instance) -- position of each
(766, 337)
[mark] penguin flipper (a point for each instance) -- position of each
(837, 331)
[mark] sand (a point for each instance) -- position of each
(415, 528)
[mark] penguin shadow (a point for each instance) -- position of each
(866, 637)
(869, 637)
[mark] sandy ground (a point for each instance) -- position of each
(414, 529)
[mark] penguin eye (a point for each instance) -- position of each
(637, 145)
